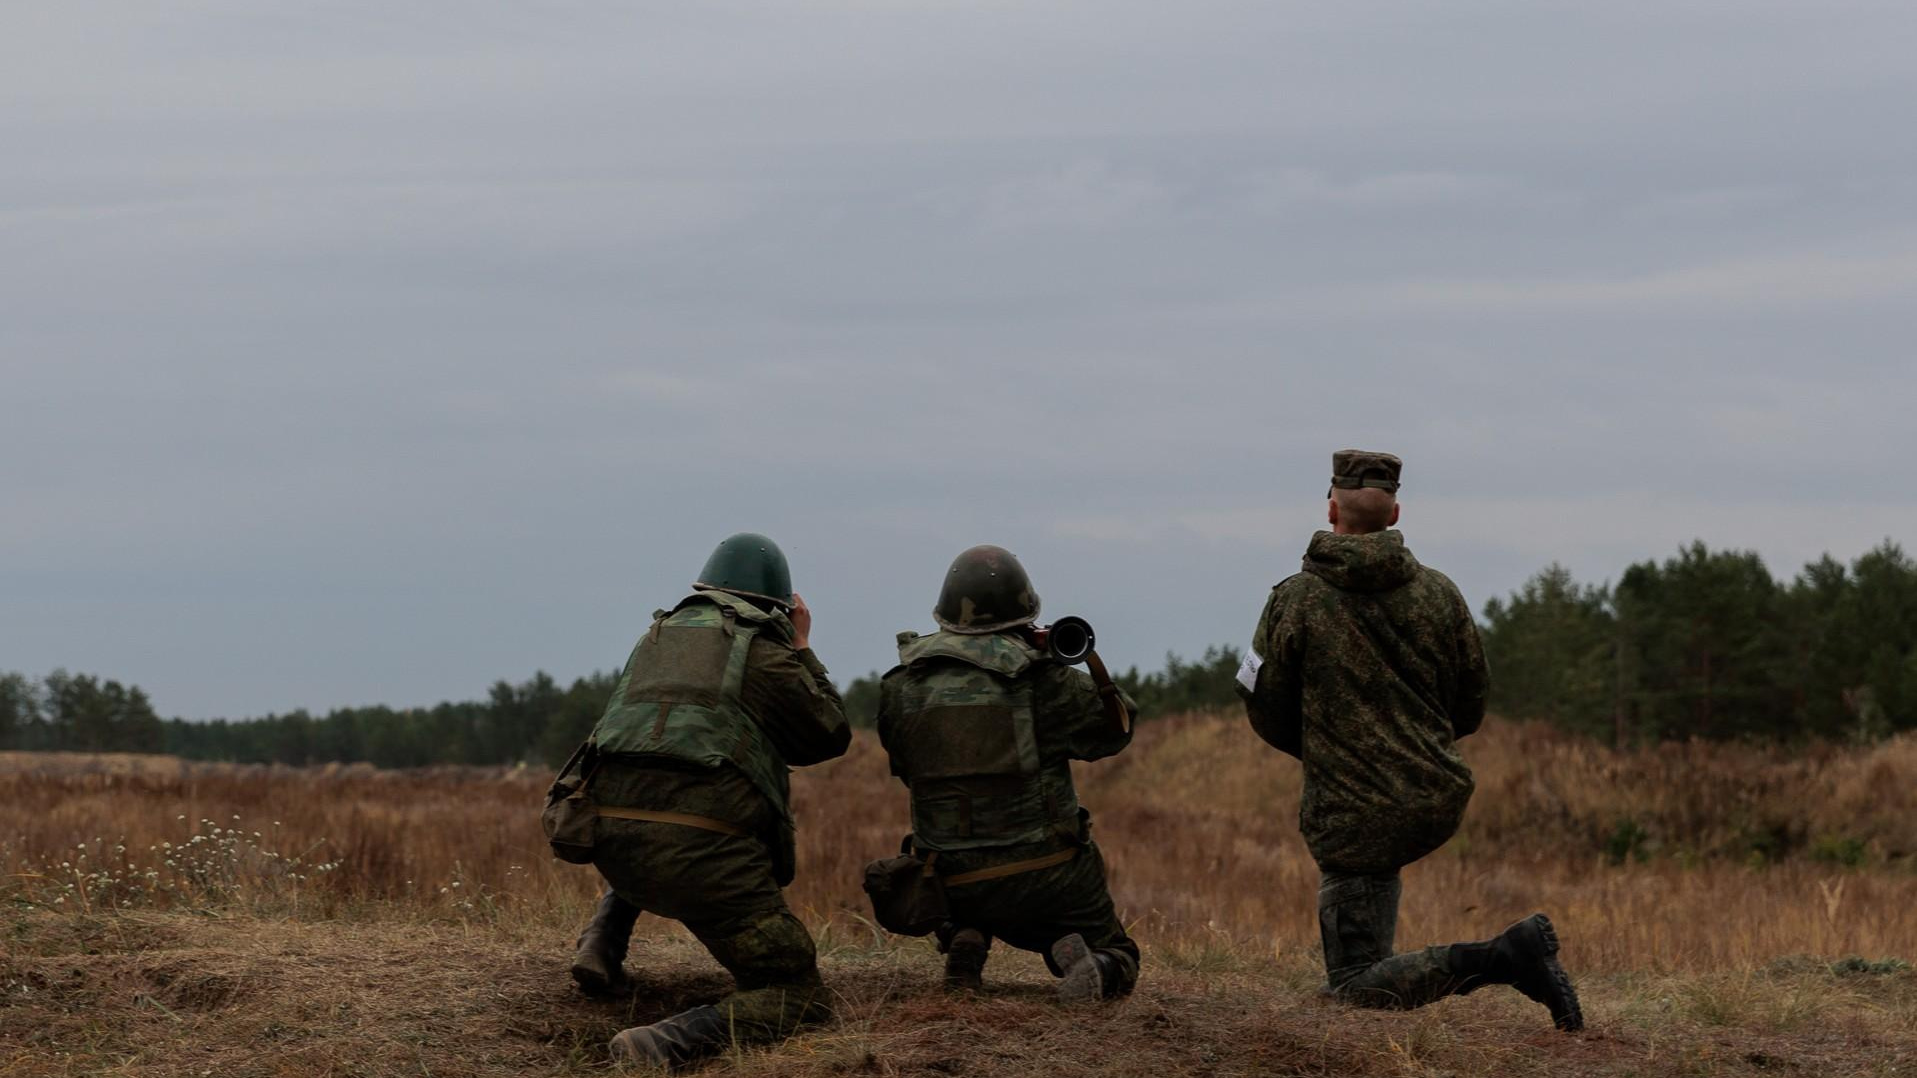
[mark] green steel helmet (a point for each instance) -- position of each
(751, 565)
(986, 590)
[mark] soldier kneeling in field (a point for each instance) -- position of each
(683, 796)
(1367, 667)
(981, 724)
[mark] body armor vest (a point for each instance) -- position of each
(680, 696)
(966, 743)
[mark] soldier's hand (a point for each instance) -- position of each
(801, 616)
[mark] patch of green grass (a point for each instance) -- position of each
(1847, 851)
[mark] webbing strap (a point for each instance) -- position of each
(1025, 726)
(734, 679)
(1001, 871)
(685, 819)
(1108, 693)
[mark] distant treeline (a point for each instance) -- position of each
(1706, 644)
(1205, 685)
(538, 721)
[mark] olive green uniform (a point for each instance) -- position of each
(1368, 667)
(982, 729)
(712, 708)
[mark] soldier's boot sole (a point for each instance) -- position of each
(1082, 979)
(965, 962)
(1539, 975)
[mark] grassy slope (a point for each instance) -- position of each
(199, 994)
(437, 942)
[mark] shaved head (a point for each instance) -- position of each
(1363, 511)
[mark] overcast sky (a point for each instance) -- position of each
(367, 352)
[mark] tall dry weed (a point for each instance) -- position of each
(1683, 857)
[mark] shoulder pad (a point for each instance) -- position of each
(1000, 653)
(730, 604)
(907, 636)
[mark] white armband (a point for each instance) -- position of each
(1248, 670)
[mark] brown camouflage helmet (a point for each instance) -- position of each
(986, 590)
(1355, 468)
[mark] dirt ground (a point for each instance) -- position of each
(207, 993)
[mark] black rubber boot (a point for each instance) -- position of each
(965, 958)
(673, 1043)
(599, 962)
(1524, 956)
(1111, 977)
(1082, 978)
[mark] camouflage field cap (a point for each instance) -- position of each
(1352, 469)
(751, 565)
(986, 590)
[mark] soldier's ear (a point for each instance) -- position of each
(1394, 516)
(1331, 513)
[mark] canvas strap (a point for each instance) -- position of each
(684, 819)
(741, 637)
(998, 872)
(1115, 709)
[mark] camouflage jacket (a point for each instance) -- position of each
(1371, 669)
(682, 709)
(982, 729)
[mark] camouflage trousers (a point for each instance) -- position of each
(1033, 910)
(721, 887)
(1358, 920)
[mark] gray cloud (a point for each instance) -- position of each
(363, 353)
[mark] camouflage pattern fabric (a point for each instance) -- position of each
(985, 591)
(1372, 668)
(742, 685)
(716, 686)
(983, 729)
(722, 888)
(1071, 722)
(1033, 910)
(1026, 763)
(964, 732)
(1358, 920)
(1353, 469)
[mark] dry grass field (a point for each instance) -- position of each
(1726, 910)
